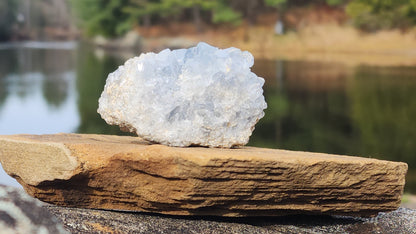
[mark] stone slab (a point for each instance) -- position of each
(128, 173)
(78, 220)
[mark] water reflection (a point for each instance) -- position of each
(38, 93)
(383, 110)
(92, 73)
(366, 111)
(308, 109)
(319, 107)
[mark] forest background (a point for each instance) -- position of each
(268, 28)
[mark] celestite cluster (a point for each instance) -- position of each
(198, 96)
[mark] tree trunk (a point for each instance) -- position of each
(146, 21)
(251, 11)
(196, 14)
(251, 15)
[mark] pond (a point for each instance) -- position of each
(313, 106)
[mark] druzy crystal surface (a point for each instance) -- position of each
(198, 96)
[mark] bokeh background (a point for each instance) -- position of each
(340, 74)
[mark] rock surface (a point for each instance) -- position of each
(197, 96)
(127, 173)
(20, 213)
(99, 221)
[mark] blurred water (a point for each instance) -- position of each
(37, 89)
(27, 110)
(313, 106)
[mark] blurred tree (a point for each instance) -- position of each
(4, 92)
(55, 89)
(113, 18)
(336, 2)
(8, 18)
(224, 13)
(143, 10)
(382, 14)
(410, 10)
(29, 19)
(103, 17)
(8, 66)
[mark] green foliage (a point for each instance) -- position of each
(165, 8)
(225, 14)
(274, 3)
(382, 14)
(335, 2)
(410, 11)
(103, 17)
(8, 17)
(286, 3)
(113, 17)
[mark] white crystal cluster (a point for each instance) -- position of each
(198, 96)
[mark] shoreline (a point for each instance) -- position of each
(332, 43)
(317, 43)
(321, 42)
